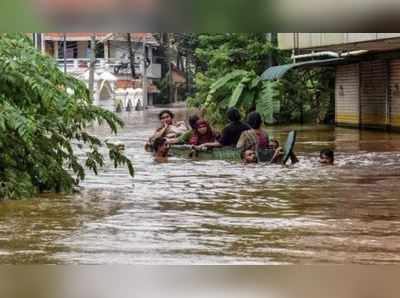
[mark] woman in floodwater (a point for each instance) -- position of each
(254, 138)
(202, 134)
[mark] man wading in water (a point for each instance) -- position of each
(169, 128)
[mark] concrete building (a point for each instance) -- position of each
(111, 50)
(112, 55)
(367, 89)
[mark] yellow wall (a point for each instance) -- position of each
(395, 120)
(347, 118)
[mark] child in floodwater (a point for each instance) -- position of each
(274, 144)
(248, 156)
(278, 156)
(326, 157)
(161, 149)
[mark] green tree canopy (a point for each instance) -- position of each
(228, 69)
(228, 74)
(42, 112)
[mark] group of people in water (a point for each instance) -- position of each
(248, 137)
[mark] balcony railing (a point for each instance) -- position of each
(117, 66)
(78, 63)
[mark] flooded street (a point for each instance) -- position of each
(217, 212)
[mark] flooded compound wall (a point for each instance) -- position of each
(368, 94)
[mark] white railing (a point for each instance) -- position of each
(78, 65)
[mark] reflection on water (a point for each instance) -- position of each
(206, 212)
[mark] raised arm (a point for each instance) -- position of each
(161, 132)
(277, 155)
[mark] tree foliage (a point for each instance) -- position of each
(42, 113)
(244, 90)
(306, 96)
(228, 69)
(177, 49)
(228, 74)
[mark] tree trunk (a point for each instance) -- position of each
(92, 64)
(144, 75)
(131, 56)
(167, 47)
(187, 71)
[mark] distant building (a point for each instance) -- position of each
(112, 49)
(367, 92)
(112, 54)
(112, 45)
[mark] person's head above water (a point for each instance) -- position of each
(248, 156)
(327, 156)
(203, 127)
(193, 120)
(275, 144)
(233, 115)
(254, 120)
(166, 117)
(160, 146)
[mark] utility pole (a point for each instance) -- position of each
(92, 64)
(187, 71)
(65, 52)
(167, 48)
(144, 78)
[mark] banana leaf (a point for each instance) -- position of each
(236, 95)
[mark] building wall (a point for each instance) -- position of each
(368, 94)
(347, 95)
(373, 80)
(312, 40)
(395, 93)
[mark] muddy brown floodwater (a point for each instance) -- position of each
(216, 212)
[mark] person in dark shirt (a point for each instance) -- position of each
(231, 133)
